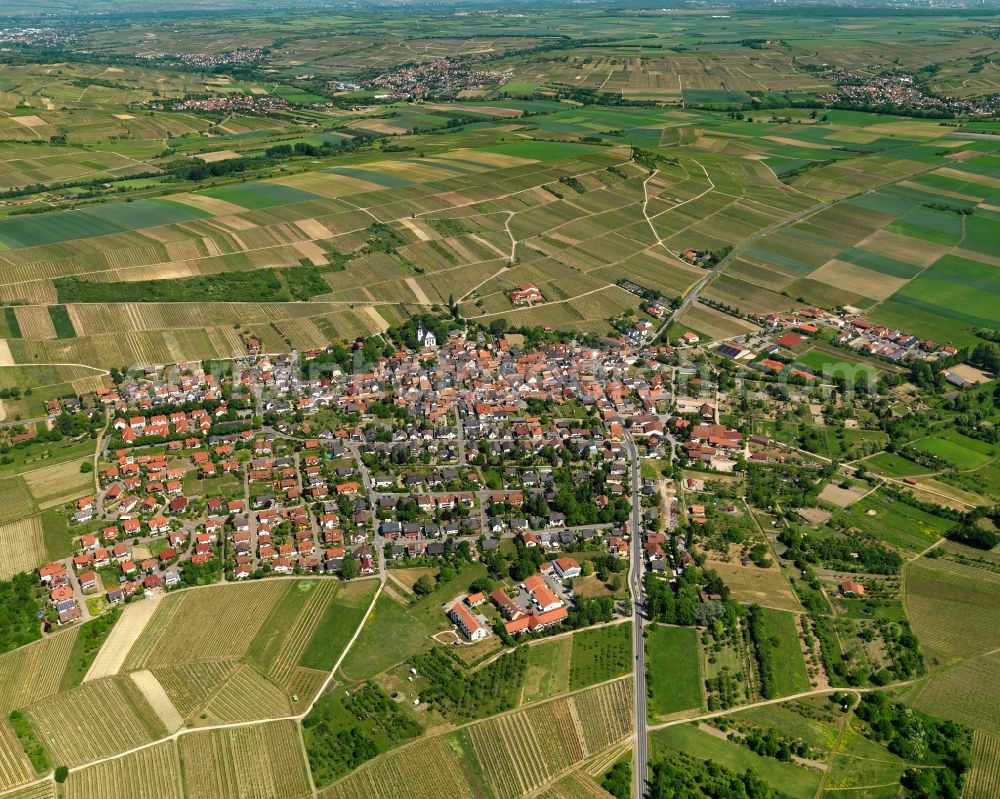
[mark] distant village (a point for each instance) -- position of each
(443, 76)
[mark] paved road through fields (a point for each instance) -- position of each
(641, 760)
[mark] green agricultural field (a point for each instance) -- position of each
(954, 608)
(51, 228)
(958, 450)
(895, 523)
(961, 292)
(674, 669)
(600, 654)
(259, 195)
(539, 150)
(785, 652)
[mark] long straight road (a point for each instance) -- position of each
(641, 759)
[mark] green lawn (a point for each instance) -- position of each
(673, 669)
(790, 675)
(959, 450)
(548, 669)
(834, 365)
(342, 617)
(428, 609)
(390, 635)
(600, 654)
(892, 465)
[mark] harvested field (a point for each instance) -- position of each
(751, 584)
(841, 497)
(153, 693)
(715, 324)
(218, 155)
(862, 281)
(127, 630)
(418, 291)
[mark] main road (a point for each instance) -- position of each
(641, 759)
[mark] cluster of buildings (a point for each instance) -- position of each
(443, 76)
(866, 338)
(33, 37)
(233, 104)
(537, 603)
(899, 91)
(241, 56)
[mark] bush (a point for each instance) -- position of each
(62, 772)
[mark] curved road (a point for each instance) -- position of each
(641, 760)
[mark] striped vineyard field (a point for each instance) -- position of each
(282, 661)
(507, 756)
(513, 759)
(148, 772)
(248, 695)
(264, 761)
(41, 790)
(407, 772)
(21, 546)
(15, 769)
(95, 720)
(605, 714)
(192, 685)
(34, 672)
(216, 623)
(983, 781)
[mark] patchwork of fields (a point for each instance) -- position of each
(909, 235)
